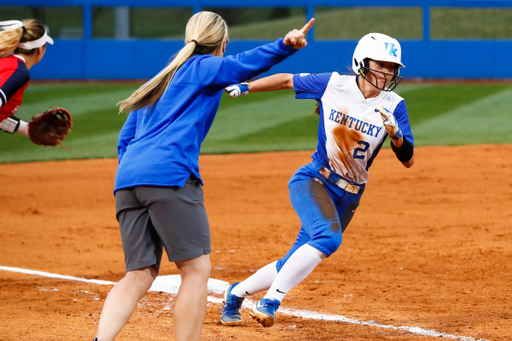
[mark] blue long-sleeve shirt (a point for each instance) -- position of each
(159, 145)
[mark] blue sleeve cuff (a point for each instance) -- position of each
(286, 48)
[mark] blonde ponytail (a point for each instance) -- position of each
(9, 40)
(206, 32)
(34, 29)
(150, 93)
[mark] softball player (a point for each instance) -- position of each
(356, 114)
(22, 45)
(159, 198)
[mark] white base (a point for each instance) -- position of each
(171, 284)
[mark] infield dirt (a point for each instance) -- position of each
(429, 247)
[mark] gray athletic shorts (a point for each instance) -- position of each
(152, 218)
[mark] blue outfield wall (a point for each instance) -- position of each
(142, 59)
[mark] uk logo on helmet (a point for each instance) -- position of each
(391, 49)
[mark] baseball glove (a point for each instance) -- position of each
(50, 127)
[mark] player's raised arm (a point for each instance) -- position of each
(295, 38)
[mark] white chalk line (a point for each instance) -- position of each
(170, 284)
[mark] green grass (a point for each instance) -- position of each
(440, 114)
(479, 120)
(96, 122)
(426, 103)
(250, 126)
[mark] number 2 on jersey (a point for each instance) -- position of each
(359, 152)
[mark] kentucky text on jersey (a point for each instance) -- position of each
(349, 121)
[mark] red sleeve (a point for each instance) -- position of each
(14, 76)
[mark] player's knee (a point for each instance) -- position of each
(327, 244)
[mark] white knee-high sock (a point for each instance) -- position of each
(294, 271)
(260, 281)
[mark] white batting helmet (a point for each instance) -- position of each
(376, 46)
(379, 47)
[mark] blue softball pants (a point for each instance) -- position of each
(324, 209)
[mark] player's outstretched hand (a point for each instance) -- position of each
(390, 123)
(236, 90)
(297, 38)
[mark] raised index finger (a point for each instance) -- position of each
(306, 27)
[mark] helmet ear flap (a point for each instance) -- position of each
(366, 63)
(396, 73)
(363, 66)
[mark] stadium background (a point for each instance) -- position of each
(434, 33)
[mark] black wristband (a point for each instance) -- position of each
(405, 152)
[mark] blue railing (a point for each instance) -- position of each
(90, 58)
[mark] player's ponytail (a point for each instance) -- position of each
(14, 32)
(33, 30)
(9, 38)
(206, 32)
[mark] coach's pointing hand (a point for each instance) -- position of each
(297, 38)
